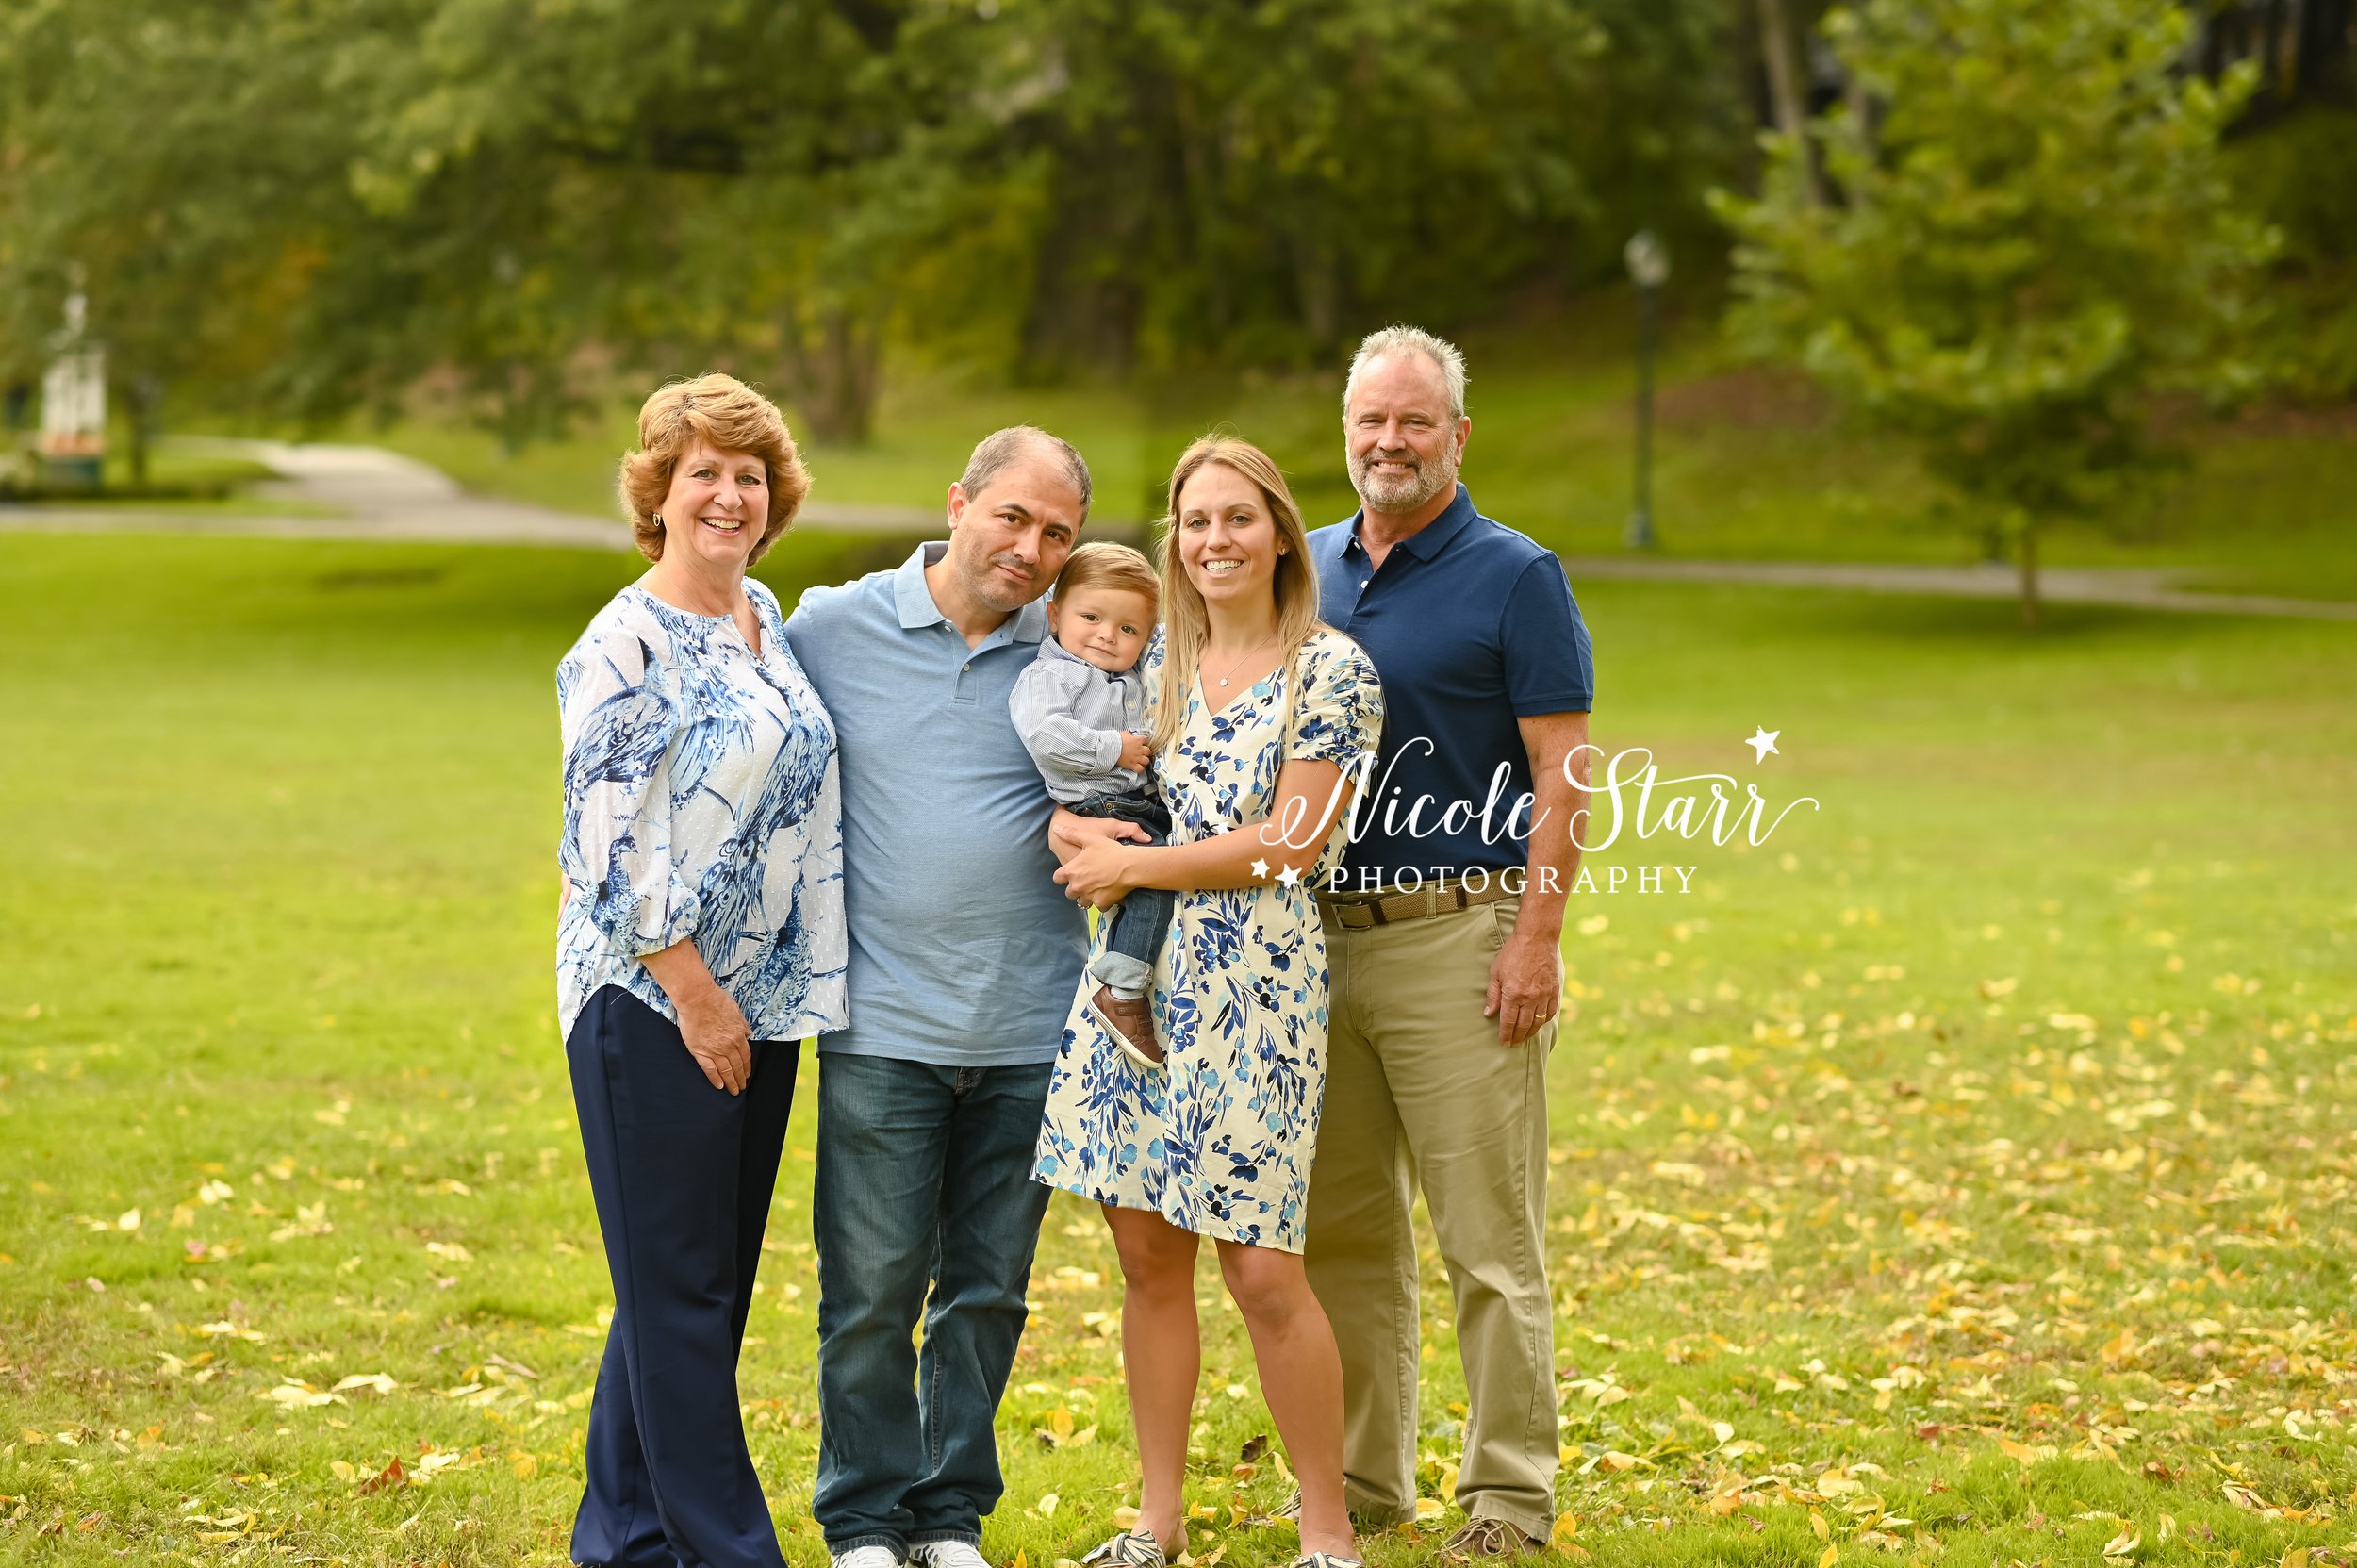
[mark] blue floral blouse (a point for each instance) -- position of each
(701, 799)
(1219, 1140)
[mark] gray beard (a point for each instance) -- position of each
(1430, 480)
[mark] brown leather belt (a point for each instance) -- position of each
(1384, 909)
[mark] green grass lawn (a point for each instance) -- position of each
(1966, 1175)
(1749, 468)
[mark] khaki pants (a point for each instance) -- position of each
(1418, 1088)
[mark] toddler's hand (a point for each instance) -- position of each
(1136, 750)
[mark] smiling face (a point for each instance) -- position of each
(1106, 626)
(1404, 448)
(717, 507)
(1008, 541)
(1227, 541)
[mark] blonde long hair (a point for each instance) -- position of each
(1186, 624)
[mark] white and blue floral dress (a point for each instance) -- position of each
(1219, 1140)
(701, 799)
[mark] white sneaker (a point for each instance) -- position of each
(945, 1554)
(866, 1557)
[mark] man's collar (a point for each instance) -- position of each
(914, 597)
(910, 594)
(1434, 536)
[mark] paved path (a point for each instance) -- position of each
(381, 495)
(2131, 587)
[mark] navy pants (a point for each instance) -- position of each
(924, 1207)
(681, 1173)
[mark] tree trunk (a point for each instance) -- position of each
(831, 382)
(2271, 54)
(844, 411)
(1317, 278)
(1787, 94)
(143, 397)
(2029, 576)
(2323, 61)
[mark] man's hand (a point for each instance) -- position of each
(1525, 986)
(1136, 750)
(1068, 832)
(1098, 874)
(714, 1028)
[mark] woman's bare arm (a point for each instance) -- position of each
(1310, 797)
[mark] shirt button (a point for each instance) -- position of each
(1362, 581)
(966, 667)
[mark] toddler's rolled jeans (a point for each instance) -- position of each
(1137, 925)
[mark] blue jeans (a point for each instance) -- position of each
(1135, 927)
(925, 1204)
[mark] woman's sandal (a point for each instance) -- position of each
(1129, 1549)
(1325, 1560)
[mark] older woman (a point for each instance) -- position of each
(701, 941)
(1261, 714)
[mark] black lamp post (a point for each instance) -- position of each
(1649, 268)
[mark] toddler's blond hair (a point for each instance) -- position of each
(1102, 564)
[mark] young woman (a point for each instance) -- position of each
(1261, 712)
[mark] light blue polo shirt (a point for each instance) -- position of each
(964, 951)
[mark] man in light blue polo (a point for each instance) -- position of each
(963, 957)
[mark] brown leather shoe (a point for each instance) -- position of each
(1131, 1022)
(1481, 1540)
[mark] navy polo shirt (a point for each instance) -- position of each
(1471, 627)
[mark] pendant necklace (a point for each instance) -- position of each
(1247, 653)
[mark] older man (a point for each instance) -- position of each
(1444, 932)
(963, 955)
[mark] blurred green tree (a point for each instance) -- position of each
(1257, 181)
(2301, 170)
(319, 206)
(2030, 240)
(698, 184)
(178, 170)
(313, 207)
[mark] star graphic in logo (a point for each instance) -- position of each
(1289, 876)
(1260, 868)
(1763, 744)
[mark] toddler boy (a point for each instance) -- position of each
(1080, 708)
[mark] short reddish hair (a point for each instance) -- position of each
(726, 416)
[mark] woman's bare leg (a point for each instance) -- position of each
(1301, 1374)
(1161, 1358)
